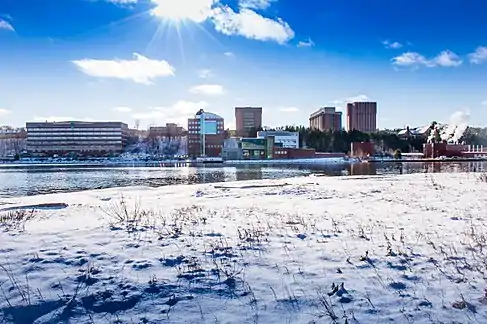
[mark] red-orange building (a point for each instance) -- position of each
(326, 119)
(171, 130)
(362, 116)
(362, 149)
(246, 119)
(434, 150)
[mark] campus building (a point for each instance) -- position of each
(247, 119)
(206, 132)
(362, 116)
(326, 119)
(282, 138)
(76, 138)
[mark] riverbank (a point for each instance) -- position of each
(428, 160)
(343, 249)
(118, 162)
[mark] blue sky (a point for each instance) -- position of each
(161, 60)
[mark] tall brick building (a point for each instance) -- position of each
(326, 119)
(247, 118)
(362, 116)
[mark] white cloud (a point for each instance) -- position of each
(151, 115)
(255, 4)
(208, 89)
(251, 25)
(289, 109)
(205, 74)
(245, 22)
(140, 69)
(479, 56)
(484, 103)
(122, 2)
(6, 25)
(194, 10)
(337, 102)
(122, 109)
(393, 45)
(178, 112)
(308, 43)
(4, 112)
(358, 98)
(410, 59)
(446, 58)
(229, 54)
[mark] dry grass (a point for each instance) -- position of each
(482, 177)
(131, 218)
(16, 219)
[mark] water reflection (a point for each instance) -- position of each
(363, 169)
(32, 180)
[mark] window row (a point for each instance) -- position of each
(72, 133)
(81, 129)
(74, 139)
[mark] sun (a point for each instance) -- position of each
(180, 10)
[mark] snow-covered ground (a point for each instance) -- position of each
(399, 249)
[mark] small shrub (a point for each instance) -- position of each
(132, 219)
(482, 177)
(16, 219)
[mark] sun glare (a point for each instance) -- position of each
(178, 10)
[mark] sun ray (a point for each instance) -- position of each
(110, 25)
(181, 45)
(160, 33)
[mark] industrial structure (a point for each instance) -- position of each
(76, 138)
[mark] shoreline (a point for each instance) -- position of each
(156, 163)
(193, 163)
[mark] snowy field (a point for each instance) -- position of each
(382, 249)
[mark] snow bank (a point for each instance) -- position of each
(314, 249)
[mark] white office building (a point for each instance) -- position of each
(287, 139)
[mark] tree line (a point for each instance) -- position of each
(339, 141)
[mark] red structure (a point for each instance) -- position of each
(362, 116)
(326, 119)
(362, 149)
(434, 150)
(171, 130)
(246, 119)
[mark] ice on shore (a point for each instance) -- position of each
(380, 249)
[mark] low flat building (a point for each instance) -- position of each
(232, 149)
(282, 138)
(13, 142)
(171, 130)
(76, 138)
